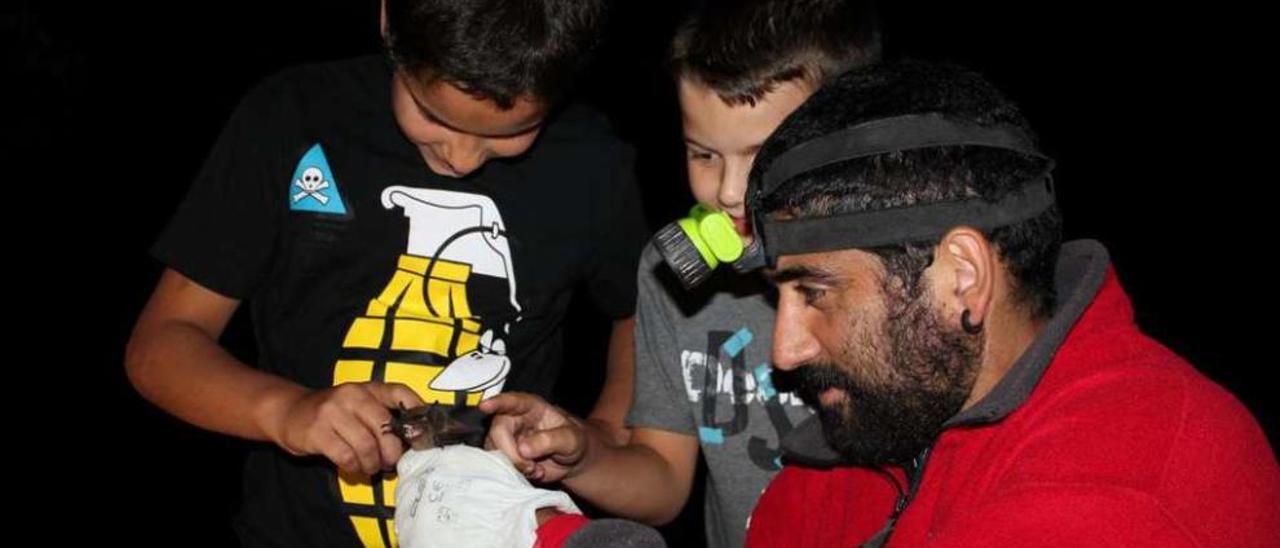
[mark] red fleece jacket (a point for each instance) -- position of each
(1121, 443)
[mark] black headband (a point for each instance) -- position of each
(897, 225)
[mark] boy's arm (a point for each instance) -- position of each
(174, 360)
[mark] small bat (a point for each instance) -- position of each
(429, 426)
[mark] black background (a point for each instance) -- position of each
(111, 108)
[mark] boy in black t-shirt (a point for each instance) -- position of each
(386, 260)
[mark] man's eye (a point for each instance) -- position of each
(811, 294)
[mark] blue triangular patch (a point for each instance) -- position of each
(313, 187)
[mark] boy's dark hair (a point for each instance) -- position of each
(497, 50)
(741, 49)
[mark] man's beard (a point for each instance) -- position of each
(902, 382)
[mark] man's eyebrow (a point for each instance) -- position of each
(797, 272)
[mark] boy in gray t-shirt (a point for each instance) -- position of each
(703, 379)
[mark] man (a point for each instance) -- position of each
(978, 382)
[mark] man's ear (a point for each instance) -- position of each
(967, 264)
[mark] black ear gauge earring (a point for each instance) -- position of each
(967, 326)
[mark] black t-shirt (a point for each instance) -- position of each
(359, 263)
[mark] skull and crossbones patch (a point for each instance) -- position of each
(312, 185)
(313, 188)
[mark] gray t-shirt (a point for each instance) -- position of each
(702, 369)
